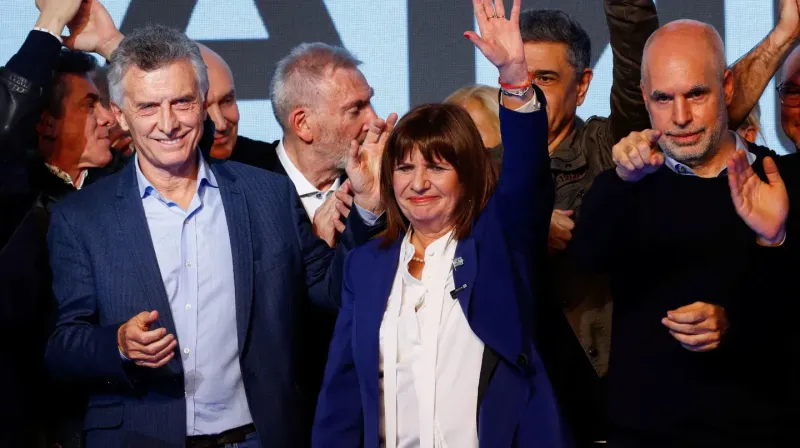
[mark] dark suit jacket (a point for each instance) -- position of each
(105, 272)
(257, 153)
(319, 323)
(517, 406)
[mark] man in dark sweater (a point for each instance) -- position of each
(696, 249)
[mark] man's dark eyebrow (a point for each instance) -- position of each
(700, 89)
(545, 73)
(656, 94)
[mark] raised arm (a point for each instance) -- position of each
(753, 71)
(30, 70)
(630, 24)
(525, 192)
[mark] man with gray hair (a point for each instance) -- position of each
(322, 102)
(179, 280)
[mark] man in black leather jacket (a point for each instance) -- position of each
(46, 138)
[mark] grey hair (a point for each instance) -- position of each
(299, 74)
(151, 48)
(552, 25)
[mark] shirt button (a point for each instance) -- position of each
(188, 264)
(188, 306)
(187, 351)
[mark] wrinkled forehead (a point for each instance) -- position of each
(174, 80)
(343, 85)
(678, 70)
(790, 72)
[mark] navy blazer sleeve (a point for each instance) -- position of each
(78, 349)
(339, 417)
(323, 265)
(525, 192)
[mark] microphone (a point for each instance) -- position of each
(454, 293)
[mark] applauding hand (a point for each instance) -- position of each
(763, 206)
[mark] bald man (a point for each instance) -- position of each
(224, 112)
(697, 248)
(789, 92)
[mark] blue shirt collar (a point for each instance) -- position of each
(204, 176)
(682, 169)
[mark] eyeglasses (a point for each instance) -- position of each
(789, 94)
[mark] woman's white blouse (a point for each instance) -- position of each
(430, 358)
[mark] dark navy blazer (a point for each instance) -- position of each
(517, 406)
(105, 272)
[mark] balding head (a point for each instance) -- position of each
(687, 88)
(790, 93)
(221, 100)
(685, 39)
(791, 68)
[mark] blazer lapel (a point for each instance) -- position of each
(135, 231)
(238, 219)
(493, 315)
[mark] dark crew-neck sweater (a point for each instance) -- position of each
(670, 240)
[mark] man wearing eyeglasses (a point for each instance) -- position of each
(789, 93)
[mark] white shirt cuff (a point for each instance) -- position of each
(531, 106)
(367, 216)
(45, 30)
(124, 358)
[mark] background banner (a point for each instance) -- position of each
(413, 50)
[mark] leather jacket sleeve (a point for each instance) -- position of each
(630, 24)
(22, 80)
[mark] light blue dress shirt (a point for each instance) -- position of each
(193, 249)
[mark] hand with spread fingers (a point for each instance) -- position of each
(364, 164)
(699, 327)
(328, 218)
(500, 42)
(763, 206)
(146, 347)
(638, 155)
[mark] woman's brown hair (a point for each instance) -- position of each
(439, 132)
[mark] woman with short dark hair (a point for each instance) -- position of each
(433, 345)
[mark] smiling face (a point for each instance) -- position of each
(687, 92)
(427, 192)
(78, 135)
(163, 110)
(221, 104)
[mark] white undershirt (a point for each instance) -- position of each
(311, 198)
(430, 358)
